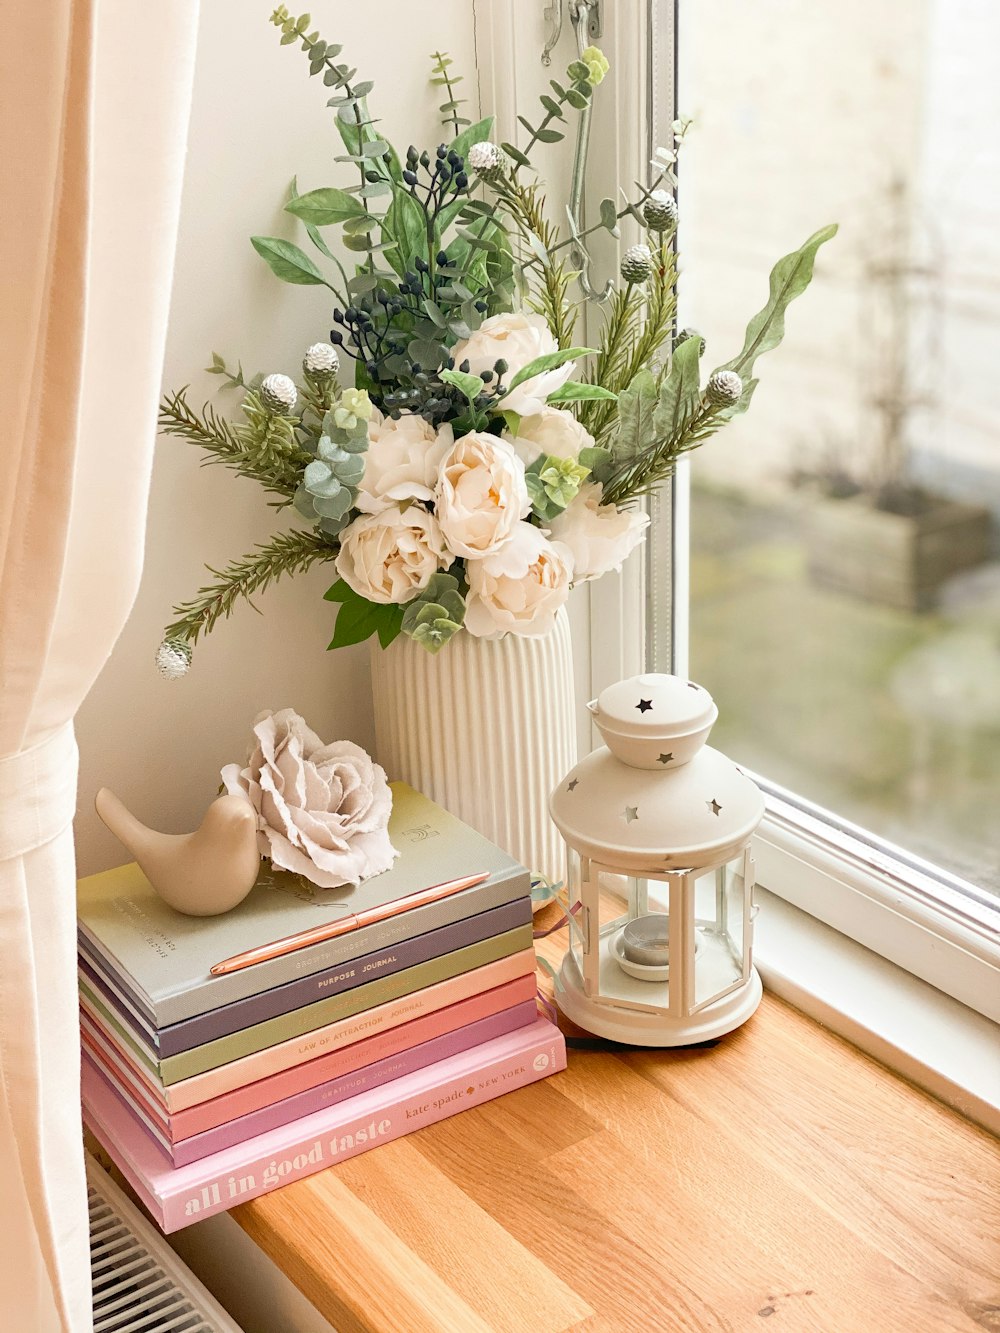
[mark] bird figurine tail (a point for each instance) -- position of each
(203, 873)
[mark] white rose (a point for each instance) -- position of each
(599, 536)
(519, 588)
(402, 461)
(389, 557)
(552, 432)
(322, 810)
(481, 494)
(516, 339)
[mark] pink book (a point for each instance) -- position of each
(177, 1196)
(299, 1050)
(230, 1106)
(184, 1151)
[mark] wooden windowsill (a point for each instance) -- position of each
(780, 1174)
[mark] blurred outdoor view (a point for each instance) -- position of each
(845, 596)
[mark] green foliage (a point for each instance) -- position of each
(437, 615)
(789, 278)
(266, 453)
(359, 619)
(574, 392)
(680, 393)
(550, 361)
(287, 262)
(286, 553)
(441, 78)
(552, 483)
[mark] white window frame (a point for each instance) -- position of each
(930, 924)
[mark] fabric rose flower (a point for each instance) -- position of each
(516, 339)
(552, 432)
(322, 810)
(481, 495)
(599, 536)
(389, 557)
(520, 588)
(402, 461)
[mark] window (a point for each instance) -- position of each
(844, 557)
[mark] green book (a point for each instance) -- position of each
(159, 960)
(198, 1060)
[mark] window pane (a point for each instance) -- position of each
(845, 580)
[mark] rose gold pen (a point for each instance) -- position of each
(346, 924)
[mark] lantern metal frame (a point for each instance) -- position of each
(682, 1019)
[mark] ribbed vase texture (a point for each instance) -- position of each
(485, 728)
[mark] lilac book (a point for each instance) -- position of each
(304, 990)
(177, 1196)
(185, 1151)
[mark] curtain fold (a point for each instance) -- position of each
(94, 105)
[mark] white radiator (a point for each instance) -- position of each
(140, 1285)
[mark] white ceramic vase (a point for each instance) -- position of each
(485, 728)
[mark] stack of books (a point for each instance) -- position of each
(210, 1089)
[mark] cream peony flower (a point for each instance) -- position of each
(516, 339)
(402, 461)
(322, 810)
(389, 557)
(520, 588)
(481, 495)
(553, 432)
(600, 537)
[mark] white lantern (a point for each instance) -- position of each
(661, 877)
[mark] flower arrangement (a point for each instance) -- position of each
(481, 463)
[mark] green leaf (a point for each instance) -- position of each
(476, 133)
(598, 460)
(636, 405)
(287, 261)
(470, 385)
(609, 214)
(549, 136)
(359, 619)
(548, 362)
(790, 277)
(680, 392)
(575, 392)
(515, 155)
(577, 100)
(406, 222)
(326, 207)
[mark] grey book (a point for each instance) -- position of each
(161, 960)
(304, 990)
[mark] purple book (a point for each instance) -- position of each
(340, 1089)
(297, 994)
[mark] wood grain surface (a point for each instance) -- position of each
(778, 1181)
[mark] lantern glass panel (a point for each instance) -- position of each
(719, 932)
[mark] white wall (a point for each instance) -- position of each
(257, 120)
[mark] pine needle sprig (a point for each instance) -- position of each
(642, 473)
(259, 452)
(550, 280)
(287, 553)
(636, 345)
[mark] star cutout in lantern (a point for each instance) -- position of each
(714, 806)
(631, 812)
(644, 705)
(572, 786)
(665, 758)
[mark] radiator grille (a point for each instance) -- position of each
(139, 1284)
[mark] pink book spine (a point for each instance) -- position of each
(178, 1196)
(262, 1064)
(289, 1083)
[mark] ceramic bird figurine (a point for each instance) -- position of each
(202, 873)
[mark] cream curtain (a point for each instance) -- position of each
(94, 103)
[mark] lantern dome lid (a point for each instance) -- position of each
(700, 813)
(642, 717)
